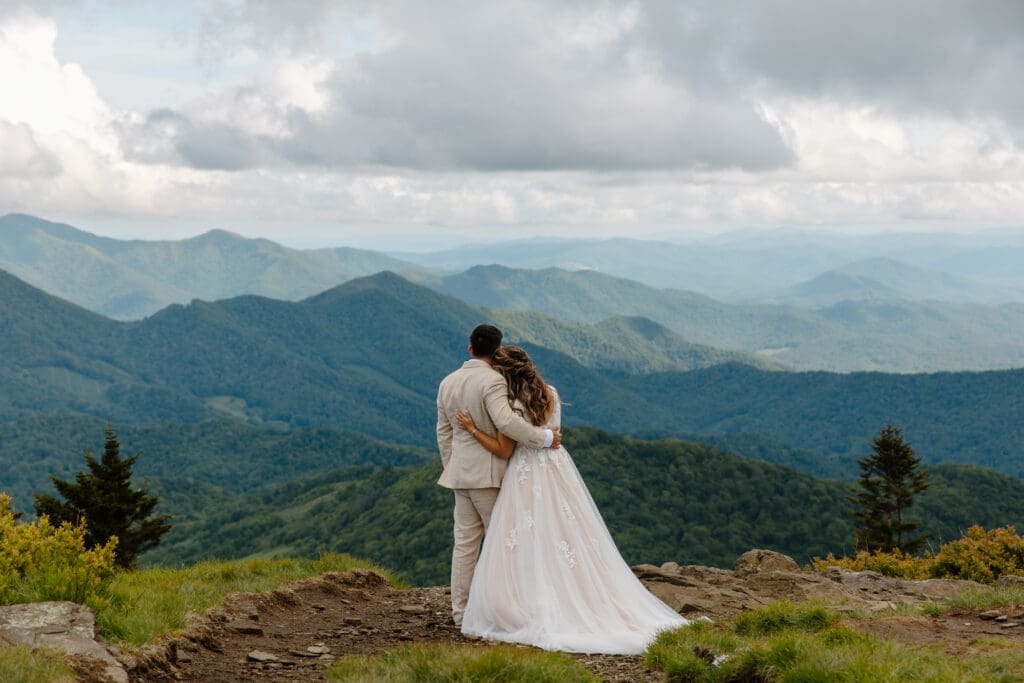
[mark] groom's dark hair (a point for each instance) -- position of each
(485, 340)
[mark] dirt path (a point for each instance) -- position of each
(316, 621)
(291, 634)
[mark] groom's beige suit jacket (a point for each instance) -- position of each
(480, 389)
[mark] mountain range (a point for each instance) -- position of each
(130, 279)
(758, 266)
(368, 355)
(870, 314)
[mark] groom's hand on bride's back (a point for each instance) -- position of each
(557, 440)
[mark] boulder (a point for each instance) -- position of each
(61, 626)
(757, 561)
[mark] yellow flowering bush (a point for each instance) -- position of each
(980, 555)
(39, 561)
(895, 564)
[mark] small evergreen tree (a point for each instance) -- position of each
(111, 507)
(889, 480)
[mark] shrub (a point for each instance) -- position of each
(39, 561)
(895, 564)
(980, 555)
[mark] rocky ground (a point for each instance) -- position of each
(291, 634)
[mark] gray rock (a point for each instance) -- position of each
(318, 649)
(762, 577)
(61, 626)
(243, 626)
(413, 609)
(757, 561)
(263, 657)
(990, 614)
(1010, 581)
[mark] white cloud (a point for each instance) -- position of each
(536, 114)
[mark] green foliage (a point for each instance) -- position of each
(979, 555)
(890, 479)
(21, 665)
(39, 561)
(150, 603)
(662, 500)
(105, 500)
(796, 643)
(459, 664)
(320, 362)
(784, 616)
(893, 563)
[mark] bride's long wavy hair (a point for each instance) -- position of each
(524, 383)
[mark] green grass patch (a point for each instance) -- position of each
(25, 666)
(460, 664)
(152, 602)
(790, 643)
(985, 598)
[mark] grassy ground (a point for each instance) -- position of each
(788, 643)
(460, 664)
(150, 603)
(24, 666)
(979, 599)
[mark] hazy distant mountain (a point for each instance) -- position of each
(128, 280)
(368, 355)
(886, 279)
(869, 334)
(760, 264)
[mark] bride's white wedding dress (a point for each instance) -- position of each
(550, 574)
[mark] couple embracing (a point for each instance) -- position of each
(549, 573)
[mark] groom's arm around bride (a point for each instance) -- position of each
(470, 470)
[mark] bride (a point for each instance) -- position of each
(549, 573)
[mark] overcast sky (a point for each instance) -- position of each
(334, 122)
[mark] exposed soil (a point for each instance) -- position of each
(337, 615)
(299, 630)
(961, 633)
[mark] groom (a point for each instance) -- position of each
(469, 469)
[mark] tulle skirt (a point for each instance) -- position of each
(550, 574)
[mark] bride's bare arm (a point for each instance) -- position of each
(501, 447)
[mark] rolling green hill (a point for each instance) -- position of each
(870, 333)
(130, 279)
(662, 500)
(368, 355)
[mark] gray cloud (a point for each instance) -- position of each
(655, 85)
(956, 57)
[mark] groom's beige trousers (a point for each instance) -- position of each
(472, 517)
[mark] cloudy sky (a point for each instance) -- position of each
(333, 122)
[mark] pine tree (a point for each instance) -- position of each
(104, 497)
(889, 480)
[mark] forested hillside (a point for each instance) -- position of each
(662, 500)
(858, 328)
(367, 356)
